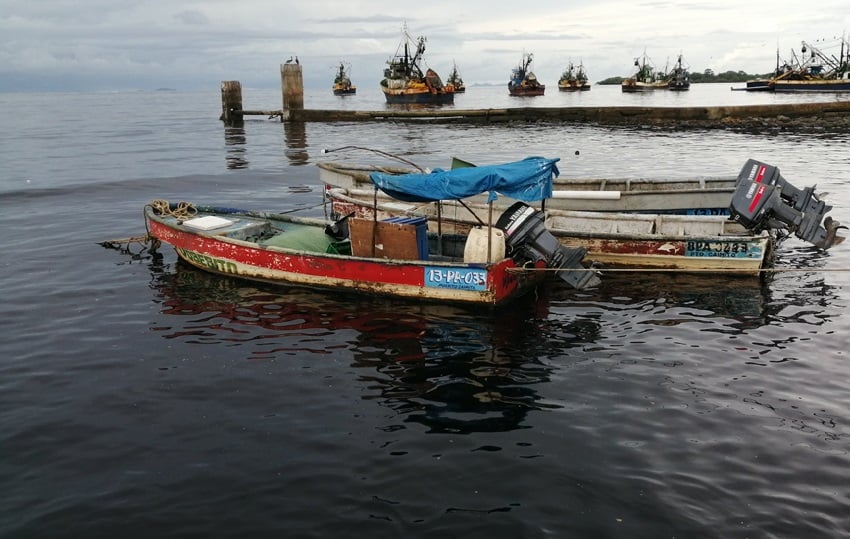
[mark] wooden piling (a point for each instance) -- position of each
(292, 86)
(231, 101)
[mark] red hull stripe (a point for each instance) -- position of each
(222, 257)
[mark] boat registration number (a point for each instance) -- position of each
(456, 278)
(722, 249)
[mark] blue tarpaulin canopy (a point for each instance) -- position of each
(528, 180)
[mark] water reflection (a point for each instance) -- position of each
(450, 368)
(738, 302)
(295, 134)
(456, 370)
(804, 294)
(235, 141)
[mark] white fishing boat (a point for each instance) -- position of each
(696, 195)
(766, 209)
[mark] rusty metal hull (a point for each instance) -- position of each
(418, 96)
(235, 250)
(526, 91)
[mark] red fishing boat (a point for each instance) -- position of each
(488, 265)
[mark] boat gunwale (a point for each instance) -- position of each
(360, 174)
(496, 291)
(208, 234)
(341, 194)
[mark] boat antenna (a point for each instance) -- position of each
(379, 152)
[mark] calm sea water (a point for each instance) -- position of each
(143, 398)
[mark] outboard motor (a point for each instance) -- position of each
(527, 238)
(764, 200)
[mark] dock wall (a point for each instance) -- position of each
(838, 111)
(803, 115)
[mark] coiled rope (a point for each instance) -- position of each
(181, 210)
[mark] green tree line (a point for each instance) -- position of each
(706, 76)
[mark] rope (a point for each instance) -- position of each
(123, 245)
(181, 210)
(680, 270)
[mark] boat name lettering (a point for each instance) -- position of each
(721, 249)
(456, 278)
(708, 211)
(208, 261)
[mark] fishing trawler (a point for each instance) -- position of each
(404, 81)
(573, 78)
(456, 80)
(678, 79)
(342, 82)
(645, 78)
(820, 72)
(523, 81)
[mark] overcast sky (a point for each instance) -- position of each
(54, 45)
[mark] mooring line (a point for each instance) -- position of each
(683, 270)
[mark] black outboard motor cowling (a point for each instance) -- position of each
(527, 238)
(764, 200)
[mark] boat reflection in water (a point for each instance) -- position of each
(455, 369)
(451, 368)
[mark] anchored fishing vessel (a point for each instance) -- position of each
(342, 82)
(573, 79)
(678, 79)
(820, 71)
(645, 78)
(404, 81)
(523, 81)
(456, 80)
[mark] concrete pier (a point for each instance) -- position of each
(833, 112)
(815, 115)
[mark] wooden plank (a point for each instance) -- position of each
(392, 240)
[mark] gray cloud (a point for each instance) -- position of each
(103, 45)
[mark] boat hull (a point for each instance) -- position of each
(221, 251)
(526, 91)
(345, 91)
(675, 242)
(630, 86)
(743, 254)
(826, 86)
(423, 96)
(697, 196)
(573, 87)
